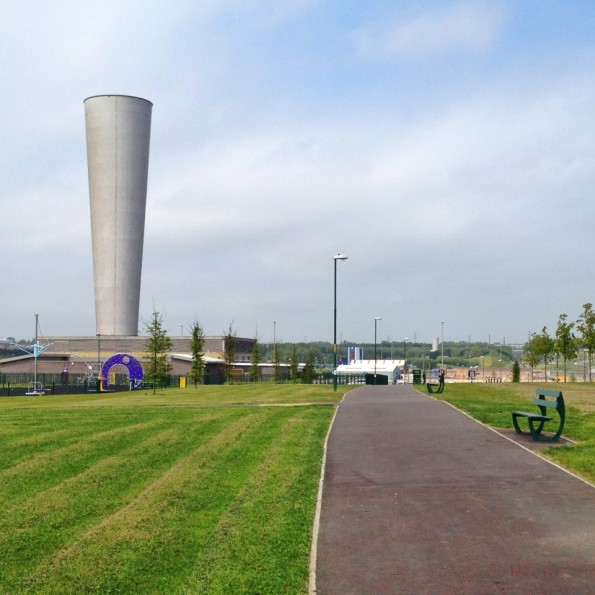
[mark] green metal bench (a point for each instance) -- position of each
(436, 388)
(546, 399)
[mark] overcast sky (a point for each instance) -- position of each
(448, 148)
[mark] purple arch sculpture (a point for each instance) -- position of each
(135, 370)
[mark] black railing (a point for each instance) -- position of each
(12, 385)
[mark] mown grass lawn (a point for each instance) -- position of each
(208, 490)
(493, 404)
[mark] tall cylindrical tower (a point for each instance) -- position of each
(118, 137)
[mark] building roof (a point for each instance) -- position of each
(366, 366)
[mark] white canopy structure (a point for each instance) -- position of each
(387, 367)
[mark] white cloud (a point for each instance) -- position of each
(462, 201)
(460, 27)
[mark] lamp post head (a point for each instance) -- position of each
(377, 317)
(340, 257)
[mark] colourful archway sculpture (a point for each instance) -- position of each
(135, 370)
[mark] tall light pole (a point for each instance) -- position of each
(442, 364)
(98, 362)
(405, 356)
(275, 358)
(336, 257)
(35, 354)
(376, 319)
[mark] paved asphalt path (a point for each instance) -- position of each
(419, 498)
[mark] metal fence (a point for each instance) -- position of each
(13, 385)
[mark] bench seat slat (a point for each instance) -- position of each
(532, 415)
(544, 403)
(548, 392)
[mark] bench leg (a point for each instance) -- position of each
(536, 432)
(515, 423)
(439, 388)
(538, 437)
(532, 430)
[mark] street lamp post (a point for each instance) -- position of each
(275, 358)
(442, 364)
(99, 362)
(335, 258)
(35, 356)
(405, 356)
(376, 319)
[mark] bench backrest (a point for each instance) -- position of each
(543, 401)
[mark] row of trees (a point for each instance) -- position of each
(565, 343)
(159, 344)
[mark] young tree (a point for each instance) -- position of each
(545, 347)
(531, 354)
(277, 363)
(256, 359)
(158, 346)
(516, 372)
(294, 364)
(308, 373)
(586, 327)
(565, 341)
(229, 347)
(197, 347)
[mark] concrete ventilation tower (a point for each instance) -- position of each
(118, 136)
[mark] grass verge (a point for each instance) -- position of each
(188, 491)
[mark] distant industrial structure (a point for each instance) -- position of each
(354, 353)
(118, 131)
(392, 369)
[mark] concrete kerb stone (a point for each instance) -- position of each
(316, 524)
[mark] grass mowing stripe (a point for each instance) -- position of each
(262, 543)
(45, 470)
(176, 522)
(46, 521)
(203, 395)
(154, 529)
(53, 519)
(39, 442)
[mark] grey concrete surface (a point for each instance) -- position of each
(419, 498)
(118, 138)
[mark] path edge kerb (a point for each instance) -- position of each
(316, 524)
